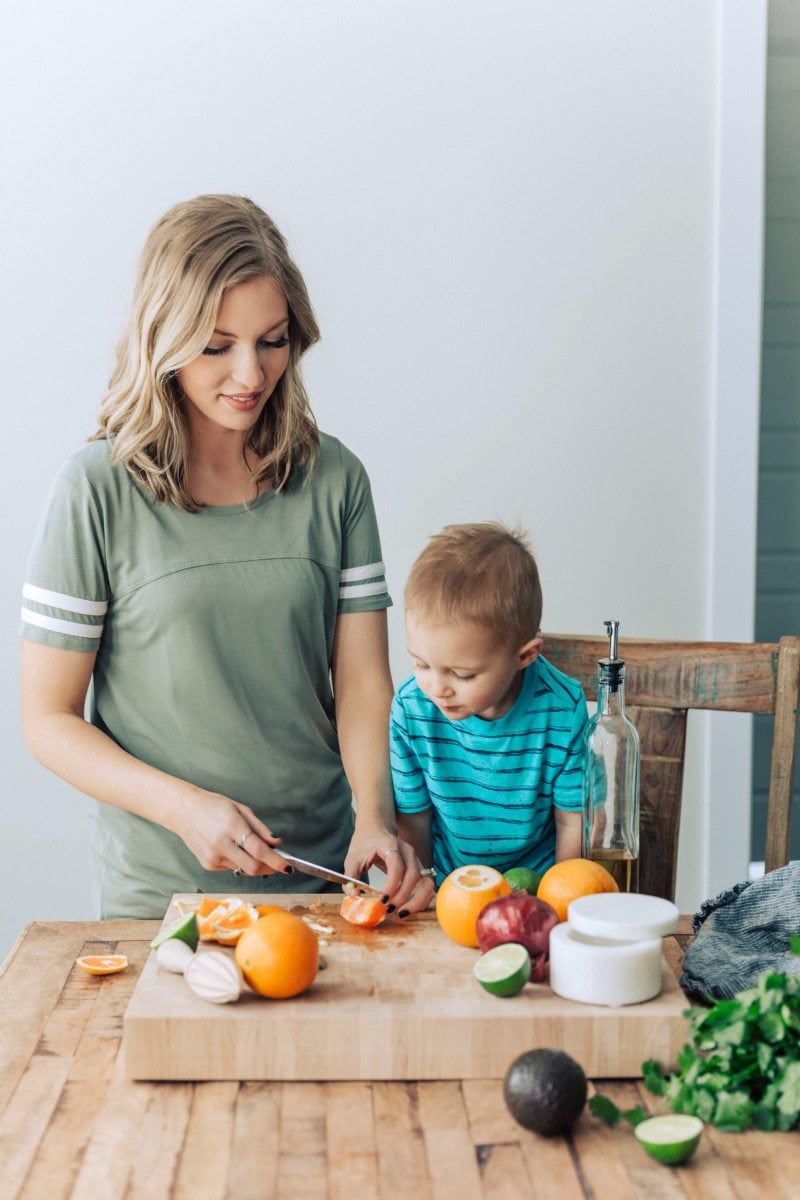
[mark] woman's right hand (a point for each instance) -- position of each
(225, 835)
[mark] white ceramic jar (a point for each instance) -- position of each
(608, 951)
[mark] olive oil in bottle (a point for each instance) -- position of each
(611, 779)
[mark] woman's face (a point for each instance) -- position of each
(227, 386)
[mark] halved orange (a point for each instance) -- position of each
(363, 910)
(103, 964)
(462, 896)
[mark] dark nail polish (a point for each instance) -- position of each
(289, 871)
(385, 900)
(390, 907)
(403, 912)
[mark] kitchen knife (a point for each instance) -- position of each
(309, 868)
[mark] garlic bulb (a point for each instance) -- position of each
(174, 955)
(214, 976)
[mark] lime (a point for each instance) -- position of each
(185, 930)
(670, 1139)
(504, 970)
(545, 1091)
(523, 879)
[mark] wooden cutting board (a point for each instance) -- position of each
(395, 1002)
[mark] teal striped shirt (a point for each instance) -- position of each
(491, 786)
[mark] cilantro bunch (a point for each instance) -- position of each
(741, 1067)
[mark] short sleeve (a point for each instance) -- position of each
(408, 779)
(362, 582)
(568, 783)
(65, 593)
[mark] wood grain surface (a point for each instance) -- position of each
(73, 1127)
(395, 1002)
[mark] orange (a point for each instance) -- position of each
(573, 877)
(278, 955)
(103, 964)
(363, 910)
(224, 920)
(461, 897)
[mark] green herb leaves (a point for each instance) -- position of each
(741, 1067)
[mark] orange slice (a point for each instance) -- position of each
(103, 964)
(363, 910)
(462, 896)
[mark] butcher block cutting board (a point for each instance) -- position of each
(395, 1002)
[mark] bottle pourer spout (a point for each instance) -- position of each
(612, 629)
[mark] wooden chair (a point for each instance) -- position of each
(663, 681)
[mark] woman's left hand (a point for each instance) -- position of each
(409, 886)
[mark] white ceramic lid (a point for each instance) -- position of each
(622, 916)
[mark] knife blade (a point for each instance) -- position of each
(309, 868)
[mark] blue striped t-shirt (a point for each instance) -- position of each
(492, 785)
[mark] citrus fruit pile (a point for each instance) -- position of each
(573, 877)
(461, 897)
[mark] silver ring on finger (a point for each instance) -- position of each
(238, 872)
(243, 839)
(391, 850)
(427, 872)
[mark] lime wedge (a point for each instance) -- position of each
(523, 879)
(503, 970)
(670, 1139)
(184, 929)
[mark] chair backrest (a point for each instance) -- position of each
(663, 680)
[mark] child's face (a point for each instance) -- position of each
(465, 670)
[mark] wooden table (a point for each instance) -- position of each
(72, 1126)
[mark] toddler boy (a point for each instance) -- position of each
(486, 736)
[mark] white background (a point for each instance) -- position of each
(532, 233)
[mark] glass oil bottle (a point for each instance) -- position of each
(611, 778)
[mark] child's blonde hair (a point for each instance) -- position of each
(481, 573)
(194, 253)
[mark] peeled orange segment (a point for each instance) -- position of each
(103, 964)
(462, 896)
(363, 910)
(226, 920)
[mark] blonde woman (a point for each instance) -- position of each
(210, 564)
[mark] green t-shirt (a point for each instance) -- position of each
(213, 633)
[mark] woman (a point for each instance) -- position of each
(210, 564)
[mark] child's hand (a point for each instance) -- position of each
(409, 886)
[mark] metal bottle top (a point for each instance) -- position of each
(611, 670)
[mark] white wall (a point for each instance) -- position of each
(508, 215)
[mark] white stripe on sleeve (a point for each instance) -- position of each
(74, 628)
(351, 574)
(352, 591)
(89, 608)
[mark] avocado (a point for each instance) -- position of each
(545, 1091)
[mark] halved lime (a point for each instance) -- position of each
(670, 1139)
(523, 879)
(504, 970)
(185, 930)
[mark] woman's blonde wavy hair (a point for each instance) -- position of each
(194, 253)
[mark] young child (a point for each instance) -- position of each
(486, 736)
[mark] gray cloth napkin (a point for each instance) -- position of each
(742, 933)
